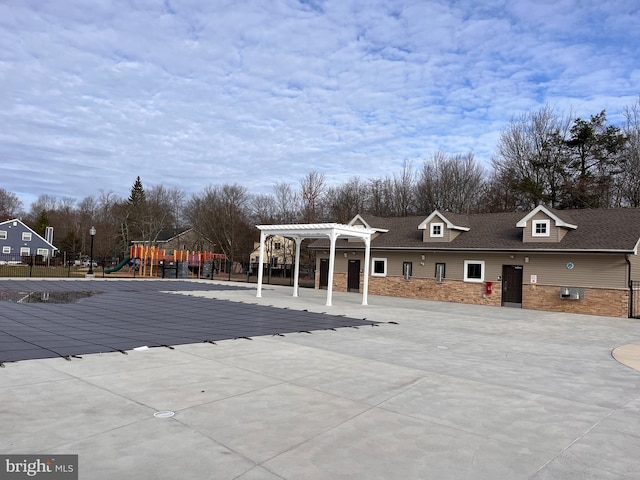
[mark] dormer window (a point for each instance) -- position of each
(437, 229)
(540, 228)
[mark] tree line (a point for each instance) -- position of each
(542, 157)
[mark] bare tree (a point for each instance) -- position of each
(380, 197)
(10, 205)
(496, 195)
(629, 180)
(221, 213)
(176, 199)
(312, 189)
(346, 201)
(157, 214)
(263, 209)
(44, 203)
(403, 191)
(287, 204)
(531, 156)
(451, 183)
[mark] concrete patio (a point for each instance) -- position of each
(434, 391)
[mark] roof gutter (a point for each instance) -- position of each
(492, 250)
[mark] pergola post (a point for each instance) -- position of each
(263, 237)
(367, 255)
(332, 260)
(297, 267)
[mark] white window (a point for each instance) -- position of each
(473, 271)
(540, 228)
(437, 229)
(26, 236)
(378, 267)
(43, 252)
(25, 251)
(6, 249)
(3, 234)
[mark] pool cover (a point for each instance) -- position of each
(121, 315)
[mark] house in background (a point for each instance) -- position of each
(580, 261)
(188, 239)
(279, 253)
(17, 240)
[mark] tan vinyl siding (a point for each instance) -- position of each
(598, 271)
(561, 233)
(590, 270)
(454, 263)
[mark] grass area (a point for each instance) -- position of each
(41, 271)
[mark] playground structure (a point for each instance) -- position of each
(151, 261)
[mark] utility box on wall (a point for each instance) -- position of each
(571, 293)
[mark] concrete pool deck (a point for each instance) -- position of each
(434, 391)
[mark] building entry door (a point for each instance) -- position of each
(353, 276)
(324, 273)
(512, 286)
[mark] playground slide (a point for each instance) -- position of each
(119, 266)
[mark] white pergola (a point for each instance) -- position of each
(299, 232)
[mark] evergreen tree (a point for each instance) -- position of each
(137, 196)
(41, 223)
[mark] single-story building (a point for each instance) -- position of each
(17, 240)
(580, 261)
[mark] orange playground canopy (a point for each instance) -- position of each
(151, 257)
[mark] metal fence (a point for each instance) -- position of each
(66, 265)
(40, 267)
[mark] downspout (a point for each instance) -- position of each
(629, 286)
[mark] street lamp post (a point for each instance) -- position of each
(92, 232)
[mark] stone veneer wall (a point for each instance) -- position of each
(340, 282)
(606, 302)
(429, 289)
(596, 301)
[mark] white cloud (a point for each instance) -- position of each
(193, 93)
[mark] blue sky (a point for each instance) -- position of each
(191, 93)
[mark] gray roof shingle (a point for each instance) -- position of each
(598, 230)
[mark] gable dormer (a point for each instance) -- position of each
(358, 221)
(440, 228)
(544, 225)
